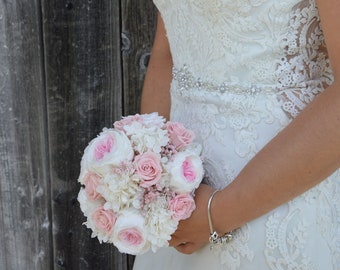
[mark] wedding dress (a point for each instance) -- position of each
(243, 69)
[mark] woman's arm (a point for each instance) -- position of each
(298, 158)
(156, 89)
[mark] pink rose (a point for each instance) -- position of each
(91, 182)
(182, 206)
(104, 220)
(126, 121)
(179, 135)
(148, 168)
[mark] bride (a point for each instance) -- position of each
(256, 83)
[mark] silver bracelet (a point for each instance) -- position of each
(214, 237)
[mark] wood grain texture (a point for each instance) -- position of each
(138, 29)
(25, 215)
(84, 92)
(68, 69)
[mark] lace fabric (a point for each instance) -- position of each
(242, 70)
(304, 71)
(245, 42)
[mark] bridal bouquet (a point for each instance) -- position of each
(138, 181)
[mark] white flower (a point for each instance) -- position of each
(130, 233)
(186, 171)
(160, 223)
(120, 191)
(87, 206)
(153, 119)
(147, 138)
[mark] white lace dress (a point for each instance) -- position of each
(242, 70)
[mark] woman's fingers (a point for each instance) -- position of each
(188, 248)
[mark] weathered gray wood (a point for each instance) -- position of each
(25, 227)
(67, 69)
(138, 29)
(83, 77)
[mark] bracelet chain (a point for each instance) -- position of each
(214, 237)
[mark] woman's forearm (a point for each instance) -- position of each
(298, 158)
(156, 89)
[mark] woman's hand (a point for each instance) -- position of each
(193, 233)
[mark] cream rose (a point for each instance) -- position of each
(130, 234)
(110, 148)
(186, 171)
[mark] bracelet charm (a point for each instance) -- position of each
(216, 239)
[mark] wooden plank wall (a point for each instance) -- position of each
(25, 201)
(67, 69)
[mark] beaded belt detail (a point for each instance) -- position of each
(187, 81)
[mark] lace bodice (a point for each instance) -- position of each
(263, 42)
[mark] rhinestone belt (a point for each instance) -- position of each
(187, 81)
